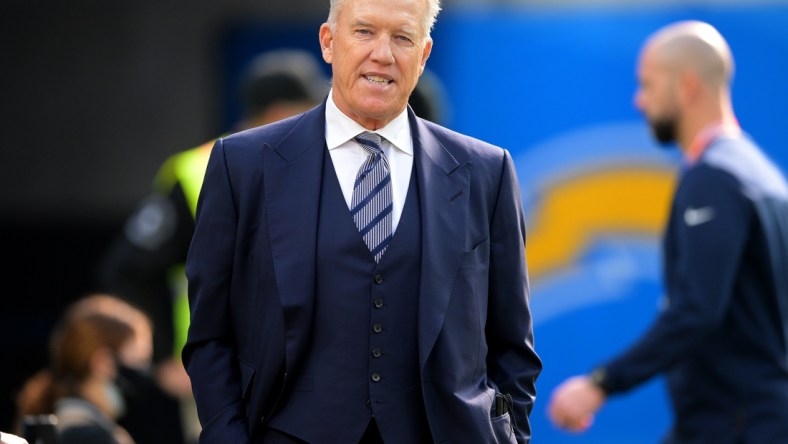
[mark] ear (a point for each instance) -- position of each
(425, 54)
(326, 42)
(689, 87)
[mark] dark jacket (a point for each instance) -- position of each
(251, 270)
(721, 338)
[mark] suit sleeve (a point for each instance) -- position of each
(209, 354)
(513, 364)
(706, 239)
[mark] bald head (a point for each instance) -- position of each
(684, 78)
(694, 46)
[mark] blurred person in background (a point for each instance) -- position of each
(82, 385)
(722, 335)
(428, 99)
(146, 414)
(145, 264)
(316, 318)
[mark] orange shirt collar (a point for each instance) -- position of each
(708, 134)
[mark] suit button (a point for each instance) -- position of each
(376, 377)
(377, 328)
(378, 303)
(378, 279)
(376, 352)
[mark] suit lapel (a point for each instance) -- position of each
(444, 192)
(292, 178)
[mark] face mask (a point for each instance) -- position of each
(117, 403)
(133, 382)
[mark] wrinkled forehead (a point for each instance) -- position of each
(409, 15)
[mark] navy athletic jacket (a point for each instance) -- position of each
(721, 336)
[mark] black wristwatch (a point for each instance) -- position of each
(598, 377)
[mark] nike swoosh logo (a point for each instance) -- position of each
(697, 216)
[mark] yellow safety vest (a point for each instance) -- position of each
(188, 169)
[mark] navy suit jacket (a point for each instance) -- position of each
(251, 269)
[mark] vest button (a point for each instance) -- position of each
(376, 352)
(378, 303)
(378, 279)
(377, 328)
(376, 377)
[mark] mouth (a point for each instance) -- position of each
(378, 80)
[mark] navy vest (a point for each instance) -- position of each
(363, 360)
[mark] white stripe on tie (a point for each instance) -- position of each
(371, 202)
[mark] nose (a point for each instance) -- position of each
(382, 51)
(638, 100)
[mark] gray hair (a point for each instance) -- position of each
(433, 8)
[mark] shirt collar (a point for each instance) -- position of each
(708, 134)
(340, 128)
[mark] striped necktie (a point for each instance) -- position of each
(371, 203)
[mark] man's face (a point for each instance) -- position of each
(656, 97)
(377, 50)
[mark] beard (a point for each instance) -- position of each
(664, 130)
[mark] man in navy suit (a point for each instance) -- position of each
(722, 338)
(368, 289)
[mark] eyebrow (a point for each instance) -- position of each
(405, 29)
(361, 22)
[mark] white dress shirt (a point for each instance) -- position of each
(348, 156)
